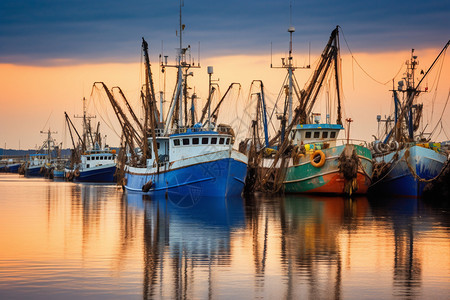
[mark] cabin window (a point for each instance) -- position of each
(195, 141)
(213, 141)
(87, 166)
(176, 142)
(228, 141)
(325, 134)
(222, 141)
(157, 145)
(185, 142)
(316, 134)
(97, 158)
(308, 135)
(88, 158)
(205, 141)
(333, 134)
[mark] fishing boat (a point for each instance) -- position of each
(320, 165)
(9, 165)
(13, 167)
(97, 165)
(40, 163)
(180, 154)
(58, 167)
(35, 164)
(306, 155)
(193, 161)
(91, 160)
(405, 161)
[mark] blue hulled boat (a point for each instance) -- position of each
(182, 154)
(404, 160)
(193, 162)
(98, 165)
(406, 172)
(91, 162)
(13, 167)
(35, 164)
(9, 166)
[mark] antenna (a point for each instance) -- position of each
(309, 55)
(198, 60)
(271, 55)
(288, 64)
(290, 13)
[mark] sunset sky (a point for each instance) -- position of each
(51, 52)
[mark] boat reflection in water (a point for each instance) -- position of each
(65, 240)
(292, 247)
(185, 237)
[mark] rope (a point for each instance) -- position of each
(413, 172)
(392, 167)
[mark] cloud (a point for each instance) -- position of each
(55, 32)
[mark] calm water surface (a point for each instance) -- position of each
(63, 240)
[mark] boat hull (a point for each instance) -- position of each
(58, 174)
(97, 174)
(305, 178)
(215, 175)
(409, 172)
(12, 168)
(33, 171)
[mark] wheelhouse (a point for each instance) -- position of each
(38, 159)
(315, 133)
(95, 158)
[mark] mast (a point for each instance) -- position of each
(291, 30)
(86, 125)
(180, 95)
(288, 115)
(406, 115)
(210, 72)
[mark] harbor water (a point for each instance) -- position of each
(61, 240)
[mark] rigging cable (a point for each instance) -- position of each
(43, 129)
(357, 63)
(440, 119)
(108, 121)
(436, 84)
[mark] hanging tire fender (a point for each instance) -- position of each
(322, 160)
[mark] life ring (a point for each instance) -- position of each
(313, 157)
(76, 173)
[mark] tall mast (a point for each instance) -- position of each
(405, 115)
(291, 30)
(86, 124)
(180, 95)
(291, 84)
